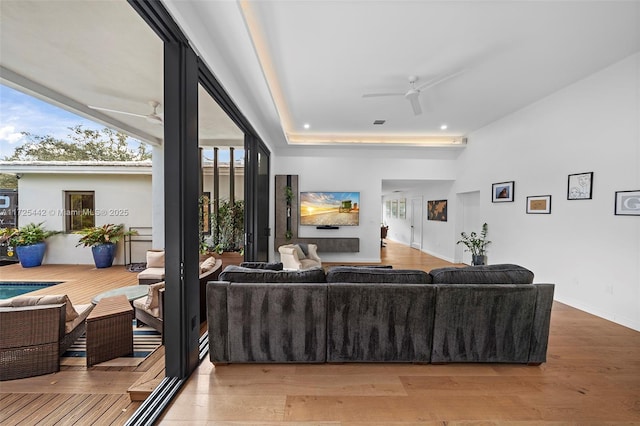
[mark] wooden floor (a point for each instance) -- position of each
(591, 377)
(75, 395)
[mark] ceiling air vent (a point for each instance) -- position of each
(379, 122)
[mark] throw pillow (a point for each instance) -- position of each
(207, 264)
(155, 258)
(299, 251)
(153, 295)
(305, 248)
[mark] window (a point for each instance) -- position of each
(79, 210)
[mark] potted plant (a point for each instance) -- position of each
(29, 242)
(227, 232)
(102, 240)
(476, 244)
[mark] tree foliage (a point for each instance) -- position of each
(8, 181)
(83, 145)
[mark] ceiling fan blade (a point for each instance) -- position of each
(375, 95)
(116, 111)
(415, 104)
(438, 80)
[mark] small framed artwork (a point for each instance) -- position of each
(628, 203)
(437, 210)
(502, 192)
(580, 186)
(402, 209)
(539, 204)
(394, 209)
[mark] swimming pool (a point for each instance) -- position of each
(16, 288)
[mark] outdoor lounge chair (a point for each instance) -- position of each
(149, 310)
(35, 331)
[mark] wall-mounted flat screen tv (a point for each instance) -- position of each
(330, 208)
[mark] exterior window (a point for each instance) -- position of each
(79, 206)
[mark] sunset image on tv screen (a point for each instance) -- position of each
(330, 208)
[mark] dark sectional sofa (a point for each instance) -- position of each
(352, 314)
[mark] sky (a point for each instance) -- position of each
(23, 113)
(20, 112)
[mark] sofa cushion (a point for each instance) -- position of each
(70, 313)
(484, 274)
(238, 274)
(152, 274)
(83, 313)
(275, 266)
(355, 274)
(155, 258)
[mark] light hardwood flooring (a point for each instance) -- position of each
(591, 377)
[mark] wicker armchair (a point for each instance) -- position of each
(34, 334)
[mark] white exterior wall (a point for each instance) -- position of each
(119, 199)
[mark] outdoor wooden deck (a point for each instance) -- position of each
(96, 395)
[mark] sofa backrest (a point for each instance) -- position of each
(491, 323)
(380, 322)
(267, 322)
(485, 274)
(356, 274)
(238, 274)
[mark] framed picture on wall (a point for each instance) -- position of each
(402, 209)
(502, 192)
(539, 204)
(627, 203)
(437, 210)
(580, 186)
(394, 209)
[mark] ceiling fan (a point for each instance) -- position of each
(414, 91)
(153, 118)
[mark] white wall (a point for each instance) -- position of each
(363, 171)
(589, 253)
(119, 199)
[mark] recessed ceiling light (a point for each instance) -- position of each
(306, 125)
(379, 122)
(443, 127)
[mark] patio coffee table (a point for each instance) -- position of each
(131, 292)
(109, 330)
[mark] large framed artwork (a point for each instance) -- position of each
(437, 210)
(502, 192)
(329, 208)
(627, 203)
(539, 204)
(580, 186)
